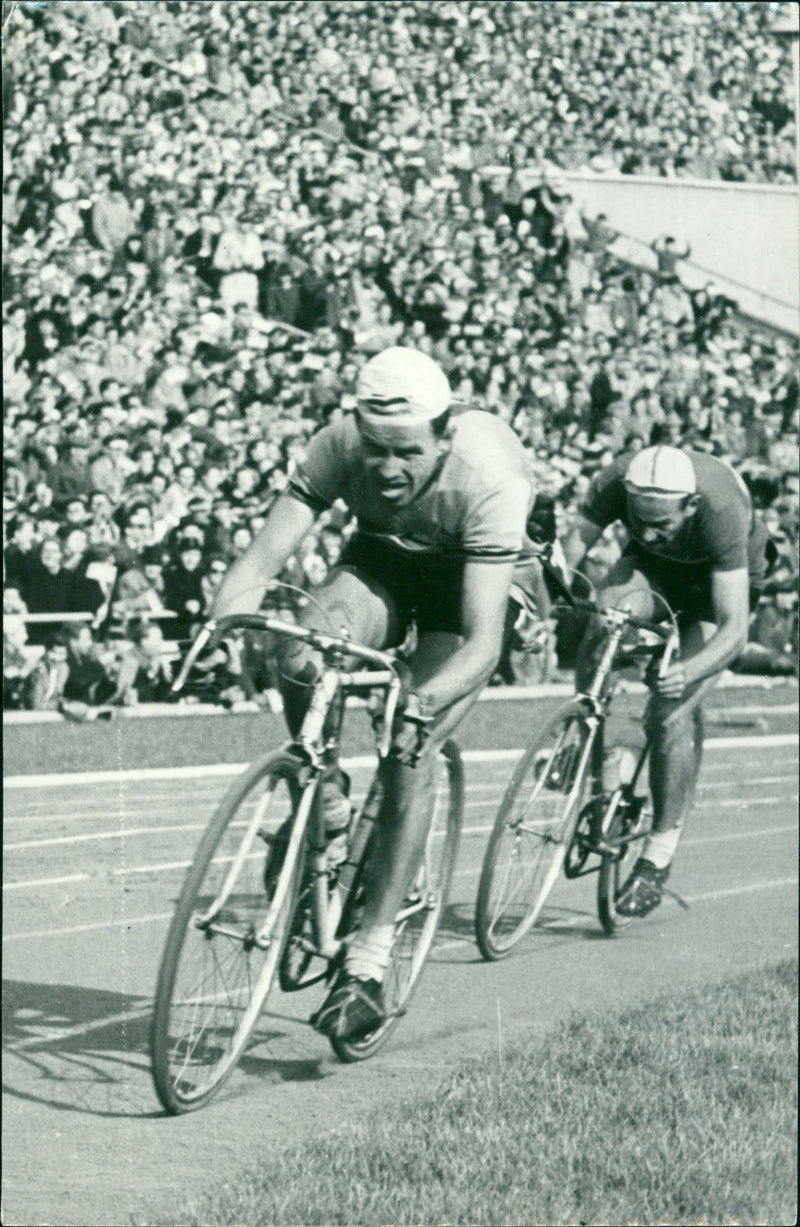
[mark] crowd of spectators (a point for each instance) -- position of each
(213, 213)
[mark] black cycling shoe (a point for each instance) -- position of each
(352, 1009)
(643, 891)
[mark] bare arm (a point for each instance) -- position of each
(580, 539)
(484, 600)
(730, 597)
(242, 590)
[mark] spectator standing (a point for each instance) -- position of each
(238, 258)
(215, 569)
(112, 220)
(20, 554)
(49, 587)
(669, 257)
(70, 476)
(108, 471)
(183, 591)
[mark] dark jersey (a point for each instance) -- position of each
(723, 535)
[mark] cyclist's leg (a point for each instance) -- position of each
(349, 601)
(404, 818)
(625, 586)
(675, 731)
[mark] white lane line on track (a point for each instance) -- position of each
(72, 877)
(765, 741)
(118, 925)
(102, 835)
(191, 802)
(583, 917)
(127, 923)
(757, 709)
(134, 832)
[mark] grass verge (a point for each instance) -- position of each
(684, 1112)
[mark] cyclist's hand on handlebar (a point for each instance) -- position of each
(411, 727)
(671, 683)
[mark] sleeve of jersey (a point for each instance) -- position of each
(495, 527)
(319, 480)
(605, 499)
(727, 530)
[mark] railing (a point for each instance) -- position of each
(59, 618)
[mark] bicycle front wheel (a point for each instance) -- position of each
(532, 831)
(227, 935)
(422, 909)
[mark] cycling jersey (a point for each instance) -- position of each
(474, 506)
(724, 534)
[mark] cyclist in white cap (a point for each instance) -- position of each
(441, 503)
(696, 541)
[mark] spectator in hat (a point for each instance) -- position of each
(183, 591)
(70, 477)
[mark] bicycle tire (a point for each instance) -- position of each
(213, 980)
(415, 933)
(550, 781)
(614, 870)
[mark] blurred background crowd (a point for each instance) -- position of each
(214, 212)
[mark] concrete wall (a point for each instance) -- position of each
(744, 237)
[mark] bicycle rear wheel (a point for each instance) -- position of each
(532, 831)
(421, 913)
(216, 971)
(625, 830)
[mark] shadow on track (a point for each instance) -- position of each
(87, 1050)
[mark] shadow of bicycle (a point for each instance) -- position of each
(87, 1050)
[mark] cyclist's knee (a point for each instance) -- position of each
(296, 663)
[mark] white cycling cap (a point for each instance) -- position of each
(661, 472)
(401, 387)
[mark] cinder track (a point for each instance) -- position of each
(92, 869)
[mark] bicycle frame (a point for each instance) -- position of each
(316, 750)
(597, 700)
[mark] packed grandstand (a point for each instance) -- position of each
(214, 212)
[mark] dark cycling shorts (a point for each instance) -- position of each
(423, 588)
(690, 597)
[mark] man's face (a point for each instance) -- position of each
(83, 643)
(24, 535)
(76, 543)
(399, 462)
(75, 513)
(659, 522)
(51, 556)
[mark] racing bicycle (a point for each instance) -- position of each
(558, 810)
(262, 905)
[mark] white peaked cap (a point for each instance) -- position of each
(401, 387)
(661, 472)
